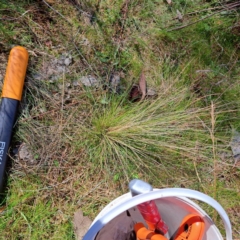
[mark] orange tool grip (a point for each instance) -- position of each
(15, 74)
(143, 233)
(191, 228)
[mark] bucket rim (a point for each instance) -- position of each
(161, 193)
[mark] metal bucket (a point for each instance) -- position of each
(173, 204)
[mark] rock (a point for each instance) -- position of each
(60, 69)
(53, 78)
(235, 146)
(25, 154)
(76, 83)
(68, 61)
(85, 42)
(54, 69)
(89, 81)
(65, 59)
(151, 92)
(115, 82)
(37, 76)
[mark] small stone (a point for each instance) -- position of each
(37, 76)
(89, 81)
(115, 82)
(60, 69)
(50, 70)
(151, 92)
(85, 42)
(54, 78)
(60, 61)
(54, 69)
(76, 83)
(68, 61)
(25, 154)
(235, 146)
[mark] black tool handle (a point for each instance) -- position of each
(8, 110)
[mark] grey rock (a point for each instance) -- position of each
(25, 154)
(76, 83)
(37, 76)
(89, 81)
(235, 146)
(115, 82)
(50, 70)
(151, 92)
(54, 69)
(54, 78)
(68, 61)
(60, 61)
(60, 69)
(85, 42)
(64, 59)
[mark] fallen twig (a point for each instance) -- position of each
(56, 12)
(14, 19)
(224, 8)
(192, 23)
(227, 6)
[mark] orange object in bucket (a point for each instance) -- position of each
(143, 233)
(191, 228)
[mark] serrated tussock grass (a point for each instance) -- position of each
(148, 139)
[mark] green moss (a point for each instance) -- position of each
(30, 214)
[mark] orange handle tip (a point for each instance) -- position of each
(15, 73)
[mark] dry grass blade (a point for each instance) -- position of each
(224, 7)
(143, 85)
(48, 4)
(212, 133)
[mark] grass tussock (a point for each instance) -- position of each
(146, 137)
